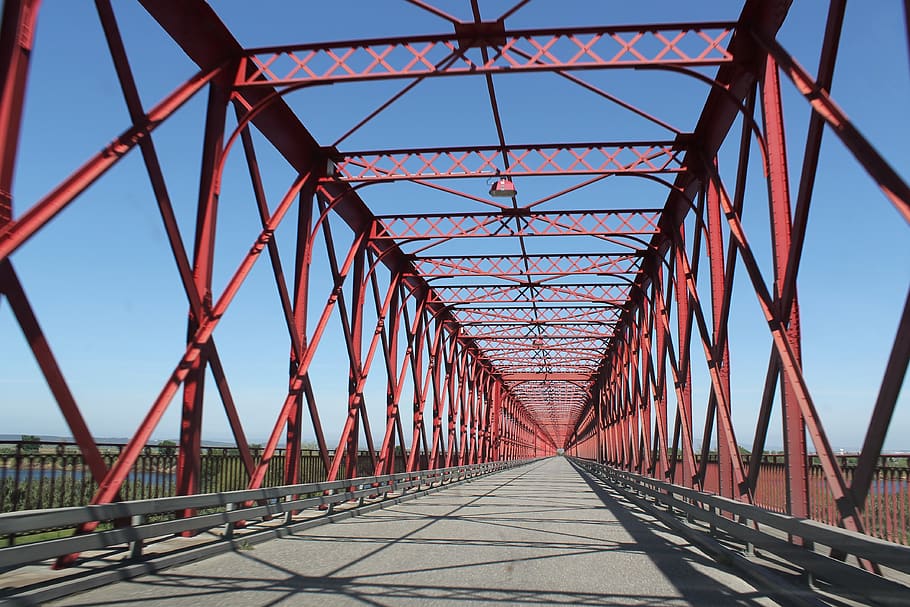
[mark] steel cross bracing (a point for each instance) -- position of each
(563, 293)
(610, 338)
(524, 161)
(521, 267)
(561, 223)
(462, 53)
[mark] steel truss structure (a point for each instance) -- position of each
(496, 351)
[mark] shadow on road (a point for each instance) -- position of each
(542, 535)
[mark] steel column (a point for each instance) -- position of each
(189, 452)
(684, 330)
(17, 36)
(795, 450)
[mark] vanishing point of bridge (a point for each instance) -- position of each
(575, 304)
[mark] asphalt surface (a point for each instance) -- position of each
(536, 535)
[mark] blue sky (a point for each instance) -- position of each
(105, 289)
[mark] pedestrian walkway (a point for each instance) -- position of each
(540, 534)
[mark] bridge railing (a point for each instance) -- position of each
(45, 474)
(886, 513)
(53, 474)
(134, 522)
(758, 527)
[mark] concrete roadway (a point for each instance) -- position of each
(536, 535)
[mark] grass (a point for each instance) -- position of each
(31, 538)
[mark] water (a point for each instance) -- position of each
(155, 477)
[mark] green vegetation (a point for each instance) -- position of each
(63, 492)
(31, 538)
(30, 443)
(167, 448)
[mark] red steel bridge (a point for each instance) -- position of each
(454, 271)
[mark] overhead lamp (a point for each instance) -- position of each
(503, 188)
(331, 154)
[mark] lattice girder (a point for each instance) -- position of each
(512, 52)
(518, 223)
(548, 266)
(657, 157)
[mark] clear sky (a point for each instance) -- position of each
(105, 288)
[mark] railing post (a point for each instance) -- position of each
(136, 545)
(289, 515)
(229, 527)
(17, 479)
(750, 547)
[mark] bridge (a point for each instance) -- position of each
(602, 305)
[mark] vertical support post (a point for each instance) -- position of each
(463, 396)
(456, 404)
(635, 394)
(189, 455)
(437, 364)
(475, 386)
(494, 420)
(647, 323)
(795, 448)
(660, 415)
(421, 328)
(684, 322)
(614, 410)
(414, 348)
(355, 397)
(721, 354)
(386, 462)
(598, 405)
(618, 405)
(661, 464)
(302, 263)
(17, 35)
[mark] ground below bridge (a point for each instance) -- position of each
(540, 534)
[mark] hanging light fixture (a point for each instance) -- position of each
(502, 187)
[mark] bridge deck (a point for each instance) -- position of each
(535, 535)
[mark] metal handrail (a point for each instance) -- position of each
(744, 521)
(243, 505)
